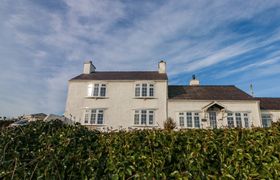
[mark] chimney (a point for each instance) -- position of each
(194, 81)
(88, 67)
(162, 67)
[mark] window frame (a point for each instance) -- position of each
(184, 118)
(269, 116)
(98, 90)
(146, 87)
(91, 116)
(238, 116)
(143, 117)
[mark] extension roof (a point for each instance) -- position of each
(269, 103)
(122, 75)
(207, 92)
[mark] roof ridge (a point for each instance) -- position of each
(267, 97)
(204, 85)
(123, 71)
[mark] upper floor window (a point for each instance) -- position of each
(94, 117)
(97, 90)
(266, 120)
(144, 117)
(189, 119)
(144, 90)
(237, 119)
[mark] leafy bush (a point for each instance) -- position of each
(5, 123)
(169, 124)
(56, 151)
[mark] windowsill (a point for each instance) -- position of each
(189, 127)
(145, 98)
(96, 97)
(94, 124)
(141, 126)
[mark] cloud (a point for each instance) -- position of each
(43, 43)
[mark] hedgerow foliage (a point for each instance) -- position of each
(57, 151)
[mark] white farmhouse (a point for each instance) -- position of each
(143, 99)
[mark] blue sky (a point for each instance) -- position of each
(44, 43)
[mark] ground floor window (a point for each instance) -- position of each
(94, 116)
(189, 120)
(237, 119)
(266, 120)
(144, 117)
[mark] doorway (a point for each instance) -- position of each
(213, 119)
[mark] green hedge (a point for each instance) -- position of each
(5, 123)
(57, 151)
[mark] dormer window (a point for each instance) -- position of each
(97, 90)
(144, 90)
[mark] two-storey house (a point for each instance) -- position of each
(118, 99)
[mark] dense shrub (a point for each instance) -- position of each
(169, 124)
(5, 123)
(57, 151)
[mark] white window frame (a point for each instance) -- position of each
(96, 89)
(139, 89)
(91, 116)
(244, 116)
(266, 117)
(144, 117)
(188, 119)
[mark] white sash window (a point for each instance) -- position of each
(144, 90)
(94, 117)
(144, 117)
(189, 120)
(96, 90)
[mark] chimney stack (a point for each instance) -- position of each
(88, 67)
(162, 67)
(194, 81)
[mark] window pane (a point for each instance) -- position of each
(136, 117)
(151, 90)
(229, 114)
(238, 120)
(144, 90)
(196, 121)
(96, 89)
(86, 118)
(181, 121)
(230, 122)
(189, 120)
(137, 90)
(246, 122)
(103, 90)
(100, 117)
(266, 120)
(89, 93)
(144, 117)
(151, 117)
(93, 117)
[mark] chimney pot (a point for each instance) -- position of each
(194, 81)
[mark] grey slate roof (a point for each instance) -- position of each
(122, 75)
(206, 92)
(269, 103)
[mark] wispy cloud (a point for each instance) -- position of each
(43, 43)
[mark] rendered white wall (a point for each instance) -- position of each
(120, 102)
(251, 107)
(275, 114)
